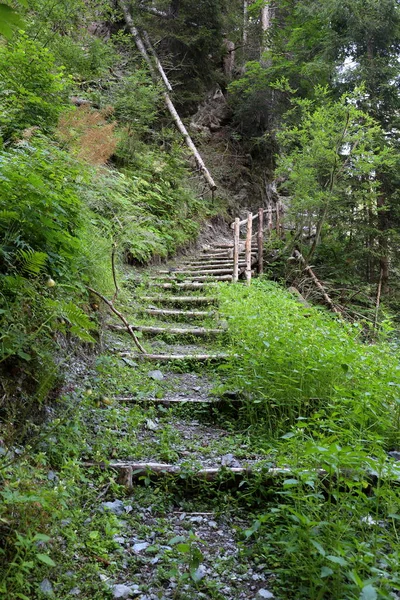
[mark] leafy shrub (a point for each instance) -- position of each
(33, 91)
(295, 362)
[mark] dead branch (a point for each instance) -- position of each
(298, 256)
(114, 249)
(120, 316)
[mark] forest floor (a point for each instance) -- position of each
(174, 536)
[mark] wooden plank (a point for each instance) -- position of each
(196, 331)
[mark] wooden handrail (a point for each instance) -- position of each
(254, 217)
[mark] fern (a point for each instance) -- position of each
(31, 262)
(79, 321)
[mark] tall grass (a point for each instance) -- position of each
(290, 362)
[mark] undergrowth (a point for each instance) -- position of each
(326, 404)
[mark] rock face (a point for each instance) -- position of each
(212, 114)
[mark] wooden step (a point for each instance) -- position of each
(196, 331)
(175, 277)
(130, 471)
(188, 314)
(180, 299)
(218, 259)
(197, 266)
(184, 286)
(137, 400)
(201, 271)
(176, 357)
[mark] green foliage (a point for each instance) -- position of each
(294, 363)
(33, 91)
(10, 19)
(329, 161)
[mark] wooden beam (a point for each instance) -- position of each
(196, 331)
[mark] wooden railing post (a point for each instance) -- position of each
(260, 241)
(236, 236)
(249, 235)
(270, 223)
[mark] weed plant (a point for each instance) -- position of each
(326, 405)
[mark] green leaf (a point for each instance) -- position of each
(326, 572)
(185, 548)
(176, 540)
(287, 436)
(290, 482)
(44, 558)
(41, 537)
(369, 593)
(318, 546)
(10, 20)
(337, 560)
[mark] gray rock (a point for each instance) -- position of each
(156, 375)
(46, 587)
(140, 546)
(228, 460)
(395, 454)
(212, 524)
(51, 476)
(122, 591)
(116, 507)
(264, 594)
(75, 592)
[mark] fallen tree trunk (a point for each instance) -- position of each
(124, 4)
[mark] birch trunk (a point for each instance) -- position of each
(124, 4)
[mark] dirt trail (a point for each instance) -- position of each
(184, 544)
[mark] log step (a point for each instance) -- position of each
(194, 314)
(173, 276)
(129, 471)
(176, 357)
(136, 400)
(196, 331)
(183, 286)
(217, 259)
(201, 271)
(181, 299)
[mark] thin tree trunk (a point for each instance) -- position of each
(245, 21)
(124, 4)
